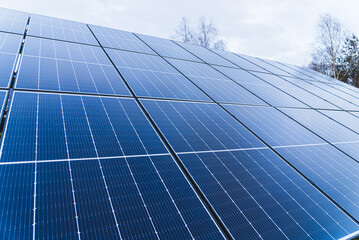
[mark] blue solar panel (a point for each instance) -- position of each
(260, 88)
(9, 48)
(118, 39)
(299, 93)
(68, 67)
(322, 125)
(240, 62)
(215, 84)
(60, 29)
(151, 76)
(13, 21)
(272, 126)
(168, 48)
(329, 97)
(331, 170)
(206, 55)
(264, 65)
(199, 127)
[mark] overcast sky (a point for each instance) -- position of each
(281, 30)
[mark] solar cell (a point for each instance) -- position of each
(60, 29)
(68, 67)
(118, 39)
(151, 76)
(13, 21)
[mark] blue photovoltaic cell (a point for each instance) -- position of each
(260, 88)
(264, 65)
(68, 67)
(9, 47)
(351, 90)
(274, 127)
(257, 193)
(168, 48)
(55, 211)
(13, 21)
(60, 29)
(323, 126)
(151, 76)
(16, 201)
(331, 170)
(199, 126)
(215, 84)
(84, 118)
(296, 92)
(238, 61)
(118, 39)
(206, 55)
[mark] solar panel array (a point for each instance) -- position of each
(108, 134)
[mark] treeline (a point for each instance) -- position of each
(335, 52)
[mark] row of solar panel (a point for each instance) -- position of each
(67, 67)
(253, 191)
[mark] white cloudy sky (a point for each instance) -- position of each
(281, 30)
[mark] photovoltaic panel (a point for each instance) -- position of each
(296, 92)
(260, 88)
(237, 182)
(322, 125)
(118, 39)
(60, 29)
(87, 119)
(274, 127)
(329, 97)
(9, 48)
(199, 126)
(168, 48)
(130, 188)
(327, 87)
(331, 170)
(206, 55)
(347, 119)
(215, 84)
(68, 67)
(264, 65)
(13, 21)
(238, 61)
(151, 76)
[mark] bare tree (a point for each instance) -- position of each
(220, 45)
(183, 31)
(330, 38)
(205, 34)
